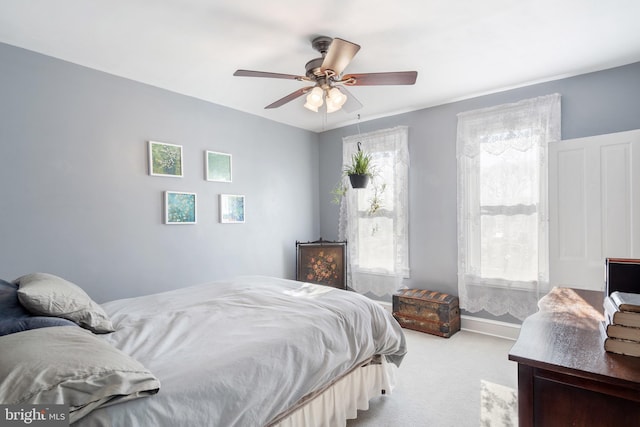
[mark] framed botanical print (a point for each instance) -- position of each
(322, 262)
(231, 208)
(218, 166)
(179, 207)
(165, 159)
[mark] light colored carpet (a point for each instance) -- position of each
(439, 382)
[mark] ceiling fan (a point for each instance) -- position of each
(329, 84)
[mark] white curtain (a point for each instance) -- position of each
(378, 243)
(503, 261)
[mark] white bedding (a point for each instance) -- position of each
(239, 353)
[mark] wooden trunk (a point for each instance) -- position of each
(427, 311)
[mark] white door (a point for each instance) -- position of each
(594, 206)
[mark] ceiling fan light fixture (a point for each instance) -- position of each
(336, 96)
(331, 107)
(314, 99)
(315, 96)
(335, 99)
(311, 107)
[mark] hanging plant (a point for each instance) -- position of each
(338, 192)
(376, 202)
(361, 168)
(361, 171)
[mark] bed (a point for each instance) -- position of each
(253, 351)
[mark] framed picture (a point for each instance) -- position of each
(231, 208)
(218, 166)
(165, 159)
(322, 262)
(179, 207)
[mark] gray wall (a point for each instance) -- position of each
(77, 200)
(592, 104)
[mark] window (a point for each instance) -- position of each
(503, 264)
(377, 236)
(509, 195)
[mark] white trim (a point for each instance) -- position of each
(494, 328)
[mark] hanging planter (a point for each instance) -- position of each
(359, 180)
(360, 169)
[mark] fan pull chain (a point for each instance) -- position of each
(359, 133)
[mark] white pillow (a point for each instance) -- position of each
(70, 366)
(44, 294)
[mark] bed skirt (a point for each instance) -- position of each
(340, 401)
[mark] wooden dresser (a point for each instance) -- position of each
(565, 378)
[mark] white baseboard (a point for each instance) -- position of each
(386, 305)
(490, 327)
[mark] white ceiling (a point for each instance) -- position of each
(460, 48)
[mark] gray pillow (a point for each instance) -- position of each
(48, 295)
(70, 366)
(14, 318)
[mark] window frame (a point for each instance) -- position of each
(395, 142)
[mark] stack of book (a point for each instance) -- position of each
(622, 323)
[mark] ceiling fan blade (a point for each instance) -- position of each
(250, 73)
(293, 95)
(352, 104)
(340, 53)
(378, 79)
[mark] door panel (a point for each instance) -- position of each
(594, 206)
